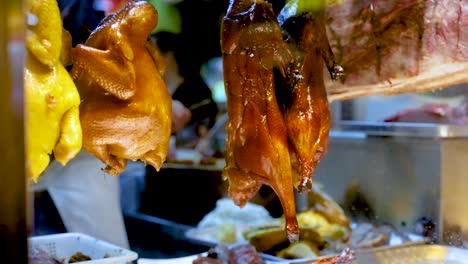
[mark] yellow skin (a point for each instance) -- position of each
(52, 100)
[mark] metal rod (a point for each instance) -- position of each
(13, 188)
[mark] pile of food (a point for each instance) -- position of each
(246, 254)
(40, 256)
(236, 255)
(325, 229)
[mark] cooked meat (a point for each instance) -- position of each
(78, 257)
(126, 109)
(398, 46)
(206, 260)
(257, 141)
(240, 254)
(51, 98)
(244, 254)
(346, 257)
(277, 101)
(434, 113)
(303, 94)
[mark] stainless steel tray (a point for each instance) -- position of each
(419, 130)
(420, 254)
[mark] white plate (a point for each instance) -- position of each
(65, 245)
(183, 260)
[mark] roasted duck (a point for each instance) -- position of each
(257, 141)
(303, 94)
(51, 98)
(126, 109)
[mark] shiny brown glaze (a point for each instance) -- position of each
(126, 110)
(257, 142)
(304, 100)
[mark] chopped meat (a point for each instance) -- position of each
(78, 257)
(241, 254)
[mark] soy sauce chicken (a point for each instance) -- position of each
(126, 109)
(257, 140)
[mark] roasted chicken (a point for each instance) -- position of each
(126, 109)
(51, 98)
(303, 94)
(257, 142)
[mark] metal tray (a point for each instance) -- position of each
(418, 130)
(418, 254)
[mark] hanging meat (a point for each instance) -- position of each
(51, 98)
(303, 95)
(395, 46)
(257, 141)
(126, 110)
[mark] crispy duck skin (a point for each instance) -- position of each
(304, 97)
(126, 110)
(257, 143)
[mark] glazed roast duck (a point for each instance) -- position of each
(125, 111)
(277, 103)
(257, 141)
(276, 86)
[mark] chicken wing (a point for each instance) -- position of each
(257, 142)
(126, 108)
